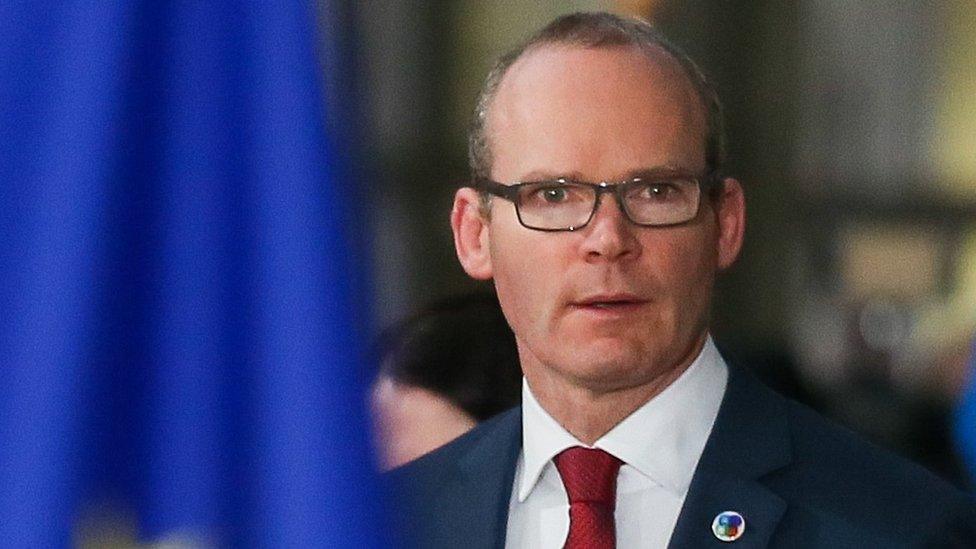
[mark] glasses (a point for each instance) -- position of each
(653, 200)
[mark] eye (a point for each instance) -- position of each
(554, 194)
(659, 191)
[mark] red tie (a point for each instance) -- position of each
(590, 478)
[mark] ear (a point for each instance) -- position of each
(471, 233)
(731, 217)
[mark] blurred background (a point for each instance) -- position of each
(853, 129)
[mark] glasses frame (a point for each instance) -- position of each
(706, 184)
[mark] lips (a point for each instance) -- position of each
(609, 302)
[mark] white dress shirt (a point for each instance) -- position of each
(660, 444)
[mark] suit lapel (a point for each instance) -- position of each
(485, 474)
(749, 440)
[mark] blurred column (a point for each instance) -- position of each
(953, 145)
(867, 107)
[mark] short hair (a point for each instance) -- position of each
(460, 348)
(595, 30)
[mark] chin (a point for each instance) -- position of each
(627, 361)
(610, 371)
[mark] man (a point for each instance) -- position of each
(600, 213)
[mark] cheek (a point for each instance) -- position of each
(686, 266)
(526, 276)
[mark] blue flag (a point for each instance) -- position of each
(182, 278)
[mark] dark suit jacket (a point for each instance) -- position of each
(798, 480)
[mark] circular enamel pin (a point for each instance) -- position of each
(728, 526)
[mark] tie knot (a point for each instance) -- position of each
(589, 475)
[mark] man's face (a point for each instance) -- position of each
(613, 305)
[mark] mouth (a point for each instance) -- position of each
(609, 304)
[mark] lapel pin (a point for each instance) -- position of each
(728, 526)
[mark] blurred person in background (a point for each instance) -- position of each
(633, 429)
(444, 370)
(965, 420)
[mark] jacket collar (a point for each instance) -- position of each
(487, 474)
(662, 440)
(750, 439)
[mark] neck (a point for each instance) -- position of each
(589, 412)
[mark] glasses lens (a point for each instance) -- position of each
(661, 201)
(555, 205)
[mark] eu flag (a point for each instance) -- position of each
(182, 277)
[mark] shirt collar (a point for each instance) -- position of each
(662, 440)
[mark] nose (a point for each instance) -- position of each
(609, 235)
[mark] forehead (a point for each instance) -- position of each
(587, 110)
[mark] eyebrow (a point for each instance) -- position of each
(544, 175)
(658, 171)
(655, 171)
